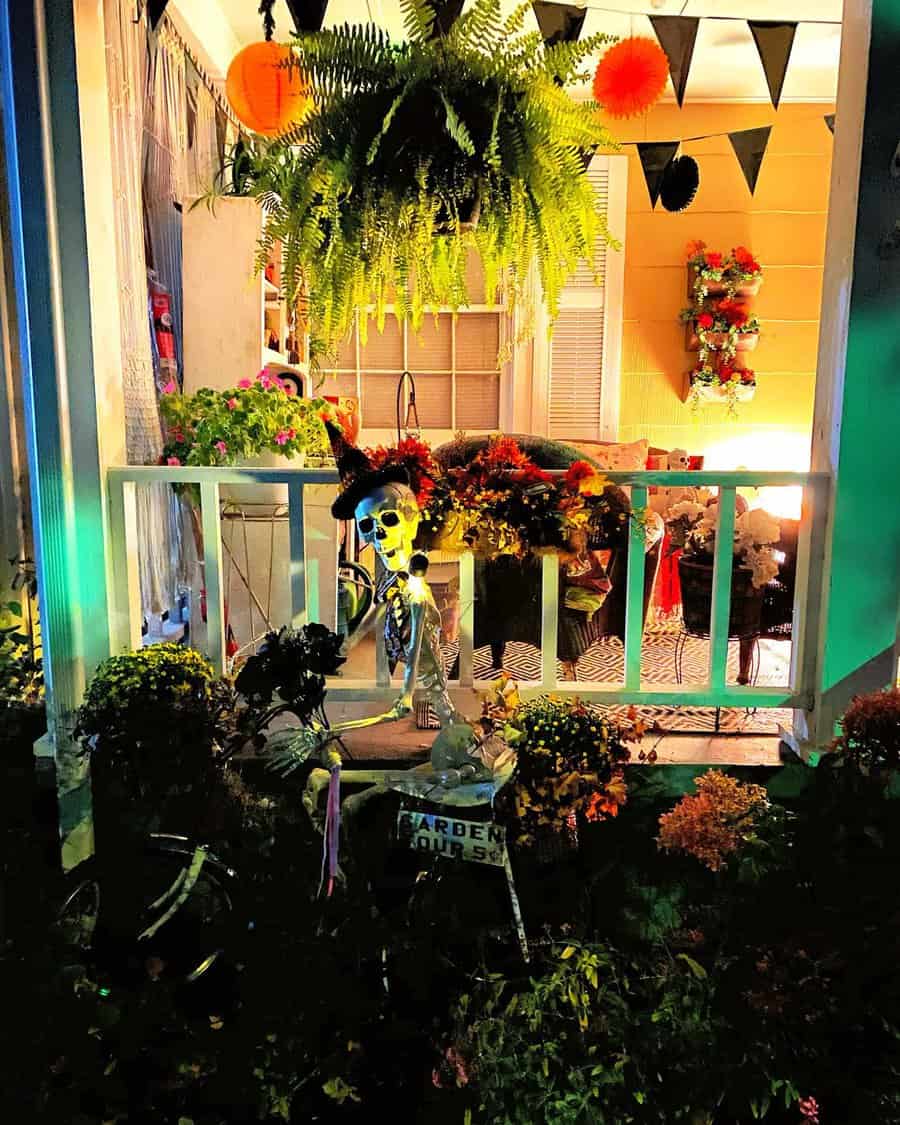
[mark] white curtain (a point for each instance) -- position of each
(126, 52)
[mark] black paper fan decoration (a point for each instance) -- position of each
(679, 183)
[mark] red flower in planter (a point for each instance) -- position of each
(734, 313)
(714, 259)
(748, 376)
(725, 373)
(705, 320)
(745, 260)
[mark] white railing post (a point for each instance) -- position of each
(808, 598)
(212, 575)
(549, 620)
(723, 561)
(298, 552)
(634, 588)
(466, 617)
(125, 627)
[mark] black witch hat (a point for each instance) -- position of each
(358, 477)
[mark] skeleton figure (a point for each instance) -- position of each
(387, 518)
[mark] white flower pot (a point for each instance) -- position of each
(271, 494)
(712, 392)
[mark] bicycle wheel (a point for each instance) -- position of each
(117, 918)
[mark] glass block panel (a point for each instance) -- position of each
(477, 341)
(383, 350)
(430, 349)
(433, 393)
(478, 401)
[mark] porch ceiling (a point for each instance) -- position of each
(726, 66)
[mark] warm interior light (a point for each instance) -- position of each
(785, 450)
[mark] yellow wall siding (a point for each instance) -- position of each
(784, 225)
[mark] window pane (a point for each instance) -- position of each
(342, 384)
(378, 408)
(477, 341)
(478, 401)
(346, 356)
(433, 401)
(430, 348)
(383, 350)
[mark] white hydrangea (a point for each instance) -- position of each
(757, 526)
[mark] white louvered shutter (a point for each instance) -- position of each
(577, 346)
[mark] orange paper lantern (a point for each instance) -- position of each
(631, 76)
(266, 95)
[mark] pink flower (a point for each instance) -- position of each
(265, 379)
(245, 384)
(288, 388)
(173, 460)
(292, 434)
(282, 438)
(232, 404)
(809, 1110)
(170, 388)
(222, 447)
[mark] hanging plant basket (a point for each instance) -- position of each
(719, 341)
(696, 599)
(720, 288)
(715, 392)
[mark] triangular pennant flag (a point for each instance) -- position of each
(829, 121)
(155, 9)
(446, 13)
(677, 35)
(587, 155)
(774, 42)
(750, 147)
(655, 157)
(308, 15)
(558, 23)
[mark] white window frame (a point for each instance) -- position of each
(377, 435)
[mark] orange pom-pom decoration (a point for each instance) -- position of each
(631, 76)
(266, 95)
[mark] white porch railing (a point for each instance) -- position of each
(715, 691)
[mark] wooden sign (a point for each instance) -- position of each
(478, 841)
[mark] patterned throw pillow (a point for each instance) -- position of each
(619, 456)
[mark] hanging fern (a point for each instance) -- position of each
(417, 153)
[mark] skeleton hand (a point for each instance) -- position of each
(402, 706)
(289, 749)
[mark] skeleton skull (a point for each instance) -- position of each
(388, 519)
(679, 460)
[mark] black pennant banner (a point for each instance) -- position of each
(750, 147)
(774, 42)
(829, 121)
(655, 157)
(308, 15)
(155, 9)
(677, 35)
(558, 23)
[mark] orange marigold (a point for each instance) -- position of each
(712, 824)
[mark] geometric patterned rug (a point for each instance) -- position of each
(604, 662)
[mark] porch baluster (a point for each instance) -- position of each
(466, 617)
(634, 589)
(549, 619)
(212, 575)
(125, 628)
(723, 561)
(298, 552)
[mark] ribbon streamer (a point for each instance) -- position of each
(332, 836)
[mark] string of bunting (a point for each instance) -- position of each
(665, 178)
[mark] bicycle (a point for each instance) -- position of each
(176, 914)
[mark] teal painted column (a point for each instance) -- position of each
(857, 421)
(44, 182)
